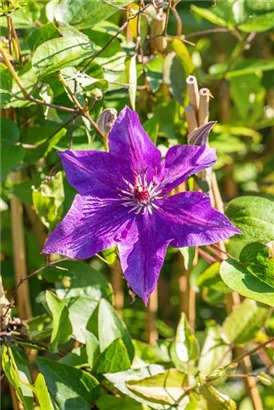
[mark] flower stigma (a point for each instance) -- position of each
(140, 196)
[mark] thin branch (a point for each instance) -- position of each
(250, 352)
(178, 19)
(114, 37)
(209, 31)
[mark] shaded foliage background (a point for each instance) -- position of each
(63, 62)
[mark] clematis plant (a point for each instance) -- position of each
(124, 199)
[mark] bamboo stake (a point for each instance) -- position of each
(158, 40)
(19, 256)
(152, 309)
(203, 113)
(117, 284)
(193, 92)
(187, 293)
(191, 118)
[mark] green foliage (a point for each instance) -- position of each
(55, 54)
(254, 216)
(48, 200)
(61, 326)
(242, 325)
(97, 54)
(11, 150)
(70, 387)
(251, 276)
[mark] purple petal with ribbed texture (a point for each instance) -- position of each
(142, 255)
(128, 139)
(187, 219)
(184, 160)
(90, 226)
(95, 173)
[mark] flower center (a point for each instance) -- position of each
(140, 197)
(141, 193)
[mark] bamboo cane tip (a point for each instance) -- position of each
(204, 92)
(191, 79)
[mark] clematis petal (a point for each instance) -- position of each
(90, 226)
(128, 139)
(187, 219)
(184, 160)
(96, 173)
(142, 255)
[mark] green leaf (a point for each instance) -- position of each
(82, 14)
(265, 379)
(131, 73)
(76, 278)
(17, 372)
(71, 388)
(48, 200)
(156, 353)
(258, 5)
(92, 348)
(215, 352)
(154, 73)
(80, 310)
(5, 85)
(55, 54)
(108, 402)
(254, 216)
(41, 392)
(61, 329)
(29, 80)
(82, 85)
(113, 359)
(188, 254)
(11, 152)
(209, 15)
(241, 67)
(214, 399)
(255, 256)
(238, 279)
(42, 34)
(242, 325)
(163, 388)
(120, 380)
(185, 348)
(110, 255)
(177, 66)
(246, 92)
(258, 23)
(183, 56)
(116, 328)
(152, 128)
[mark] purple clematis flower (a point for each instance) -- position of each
(124, 200)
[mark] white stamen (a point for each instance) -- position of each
(132, 196)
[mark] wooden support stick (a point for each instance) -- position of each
(193, 92)
(19, 255)
(158, 38)
(203, 114)
(152, 309)
(191, 118)
(117, 284)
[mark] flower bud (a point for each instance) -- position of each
(200, 135)
(106, 120)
